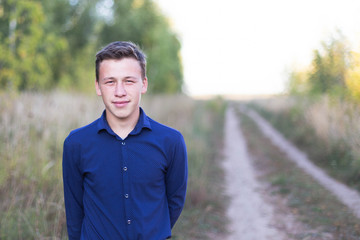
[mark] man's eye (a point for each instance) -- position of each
(109, 82)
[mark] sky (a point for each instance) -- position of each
(243, 47)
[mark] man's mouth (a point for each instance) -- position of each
(120, 103)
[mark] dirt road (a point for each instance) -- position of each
(346, 195)
(251, 214)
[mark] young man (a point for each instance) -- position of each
(124, 175)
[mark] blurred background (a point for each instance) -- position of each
(303, 57)
(51, 44)
(199, 48)
(251, 47)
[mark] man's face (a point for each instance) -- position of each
(120, 85)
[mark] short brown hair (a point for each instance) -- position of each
(120, 50)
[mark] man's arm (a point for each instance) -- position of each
(176, 180)
(73, 190)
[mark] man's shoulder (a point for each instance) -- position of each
(83, 133)
(164, 130)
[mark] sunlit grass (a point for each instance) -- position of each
(201, 123)
(326, 128)
(33, 128)
(319, 210)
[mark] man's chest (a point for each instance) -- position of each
(118, 163)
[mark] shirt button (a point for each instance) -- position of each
(129, 221)
(123, 143)
(125, 169)
(126, 195)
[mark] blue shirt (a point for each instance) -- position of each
(132, 188)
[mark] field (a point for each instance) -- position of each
(33, 128)
(327, 129)
(318, 213)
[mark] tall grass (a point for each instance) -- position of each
(201, 123)
(326, 128)
(33, 128)
(321, 214)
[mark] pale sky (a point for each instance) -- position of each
(245, 47)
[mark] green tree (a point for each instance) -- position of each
(298, 82)
(141, 21)
(73, 25)
(46, 44)
(329, 68)
(23, 65)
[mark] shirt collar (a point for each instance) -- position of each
(143, 122)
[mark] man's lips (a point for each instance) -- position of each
(120, 103)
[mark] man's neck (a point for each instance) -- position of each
(122, 127)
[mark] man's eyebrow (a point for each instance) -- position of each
(108, 78)
(114, 78)
(129, 77)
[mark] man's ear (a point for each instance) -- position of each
(144, 86)
(97, 87)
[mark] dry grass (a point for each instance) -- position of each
(327, 129)
(336, 121)
(321, 214)
(33, 128)
(32, 131)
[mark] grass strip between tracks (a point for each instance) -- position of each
(308, 201)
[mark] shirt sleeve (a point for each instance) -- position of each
(176, 180)
(73, 189)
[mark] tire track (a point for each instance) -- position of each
(250, 216)
(346, 195)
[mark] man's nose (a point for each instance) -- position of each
(120, 89)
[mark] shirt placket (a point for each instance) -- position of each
(126, 187)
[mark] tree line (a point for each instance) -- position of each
(334, 71)
(52, 44)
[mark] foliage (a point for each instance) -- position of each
(23, 62)
(334, 71)
(353, 77)
(297, 84)
(146, 24)
(328, 69)
(52, 44)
